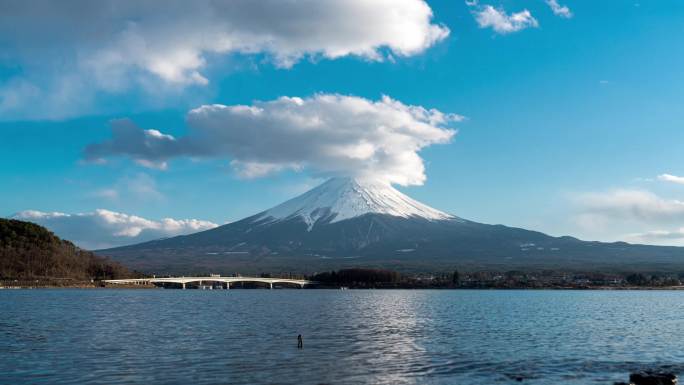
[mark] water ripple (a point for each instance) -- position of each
(350, 337)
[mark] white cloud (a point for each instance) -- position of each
(630, 215)
(636, 205)
(496, 18)
(103, 228)
(69, 51)
(671, 237)
(671, 178)
(559, 10)
(327, 133)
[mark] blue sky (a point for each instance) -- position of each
(570, 124)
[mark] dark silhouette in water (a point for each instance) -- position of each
(653, 377)
(300, 344)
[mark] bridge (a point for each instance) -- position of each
(183, 281)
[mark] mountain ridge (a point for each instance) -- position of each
(346, 222)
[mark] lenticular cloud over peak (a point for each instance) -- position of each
(327, 134)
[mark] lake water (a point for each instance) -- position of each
(114, 336)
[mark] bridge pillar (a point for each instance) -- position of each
(270, 284)
(183, 285)
(227, 285)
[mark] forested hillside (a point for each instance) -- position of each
(30, 251)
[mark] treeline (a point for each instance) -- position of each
(545, 279)
(653, 280)
(358, 277)
(29, 251)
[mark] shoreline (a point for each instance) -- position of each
(550, 288)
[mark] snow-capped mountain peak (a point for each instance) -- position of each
(344, 198)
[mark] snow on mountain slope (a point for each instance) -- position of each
(344, 198)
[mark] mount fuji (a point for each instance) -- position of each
(341, 199)
(353, 222)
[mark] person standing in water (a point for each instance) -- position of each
(300, 344)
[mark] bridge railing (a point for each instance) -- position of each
(227, 280)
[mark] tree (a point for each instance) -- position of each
(455, 278)
(30, 251)
(637, 279)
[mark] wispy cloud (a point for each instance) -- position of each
(671, 178)
(631, 215)
(637, 205)
(139, 187)
(658, 236)
(501, 22)
(559, 10)
(106, 193)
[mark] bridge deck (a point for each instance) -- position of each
(227, 280)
